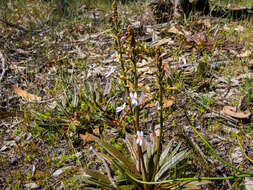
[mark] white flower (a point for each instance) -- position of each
(119, 109)
(157, 106)
(134, 100)
(140, 138)
(141, 98)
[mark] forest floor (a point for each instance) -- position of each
(60, 80)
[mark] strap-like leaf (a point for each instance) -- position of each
(130, 146)
(175, 150)
(118, 155)
(128, 175)
(165, 154)
(96, 178)
(171, 163)
(96, 175)
(154, 148)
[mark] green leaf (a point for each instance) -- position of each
(171, 163)
(130, 166)
(129, 177)
(129, 143)
(94, 182)
(96, 175)
(154, 148)
(174, 152)
(165, 154)
(151, 167)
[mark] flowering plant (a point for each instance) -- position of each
(150, 160)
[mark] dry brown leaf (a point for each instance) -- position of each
(87, 137)
(168, 103)
(164, 41)
(168, 60)
(150, 105)
(166, 64)
(239, 28)
(144, 70)
(188, 73)
(199, 38)
(25, 94)
(207, 23)
(231, 111)
(172, 88)
(247, 53)
(96, 131)
(15, 65)
(174, 30)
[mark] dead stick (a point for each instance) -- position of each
(14, 25)
(3, 66)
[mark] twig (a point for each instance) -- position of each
(213, 151)
(230, 121)
(233, 121)
(108, 171)
(3, 66)
(200, 151)
(14, 25)
(19, 27)
(237, 137)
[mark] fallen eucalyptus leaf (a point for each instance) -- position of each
(231, 111)
(87, 137)
(31, 186)
(25, 94)
(247, 53)
(174, 30)
(60, 171)
(168, 103)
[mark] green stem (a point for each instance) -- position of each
(159, 142)
(243, 149)
(161, 120)
(121, 61)
(143, 165)
(160, 81)
(213, 151)
(189, 179)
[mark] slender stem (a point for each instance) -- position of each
(133, 62)
(135, 114)
(159, 142)
(243, 149)
(125, 81)
(161, 119)
(160, 99)
(189, 179)
(122, 63)
(143, 165)
(213, 151)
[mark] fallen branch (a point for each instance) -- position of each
(14, 25)
(19, 27)
(3, 66)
